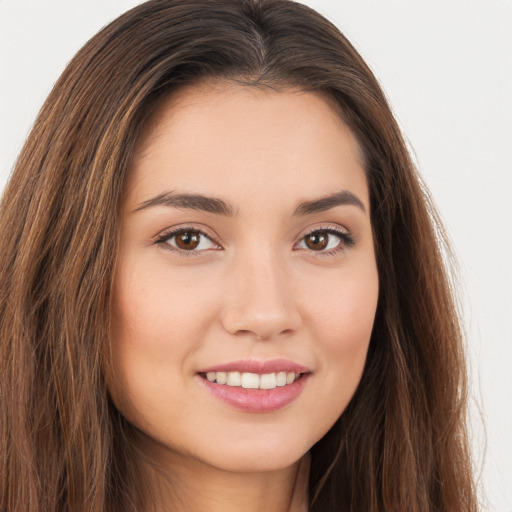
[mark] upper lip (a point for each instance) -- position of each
(255, 366)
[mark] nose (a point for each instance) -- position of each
(259, 298)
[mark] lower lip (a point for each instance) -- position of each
(257, 400)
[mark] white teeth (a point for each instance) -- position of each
(268, 381)
(253, 380)
(222, 377)
(234, 379)
(250, 380)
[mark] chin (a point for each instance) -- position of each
(265, 455)
(257, 464)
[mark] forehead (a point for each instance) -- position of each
(224, 139)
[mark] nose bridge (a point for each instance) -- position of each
(259, 297)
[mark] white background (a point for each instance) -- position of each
(446, 66)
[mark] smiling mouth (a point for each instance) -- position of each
(248, 380)
(258, 389)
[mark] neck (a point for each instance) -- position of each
(187, 485)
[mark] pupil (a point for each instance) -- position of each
(187, 240)
(317, 241)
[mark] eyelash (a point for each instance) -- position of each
(346, 240)
(168, 235)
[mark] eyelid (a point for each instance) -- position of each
(326, 227)
(162, 237)
(347, 240)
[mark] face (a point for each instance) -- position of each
(246, 285)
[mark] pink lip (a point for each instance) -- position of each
(261, 367)
(257, 400)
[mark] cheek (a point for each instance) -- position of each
(342, 321)
(161, 316)
(152, 333)
(156, 312)
(343, 309)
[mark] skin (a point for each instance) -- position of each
(252, 290)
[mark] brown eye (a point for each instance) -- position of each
(326, 241)
(317, 241)
(187, 240)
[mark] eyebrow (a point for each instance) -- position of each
(221, 207)
(189, 201)
(345, 197)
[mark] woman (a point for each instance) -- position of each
(222, 283)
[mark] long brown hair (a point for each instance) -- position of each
(401, 445)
